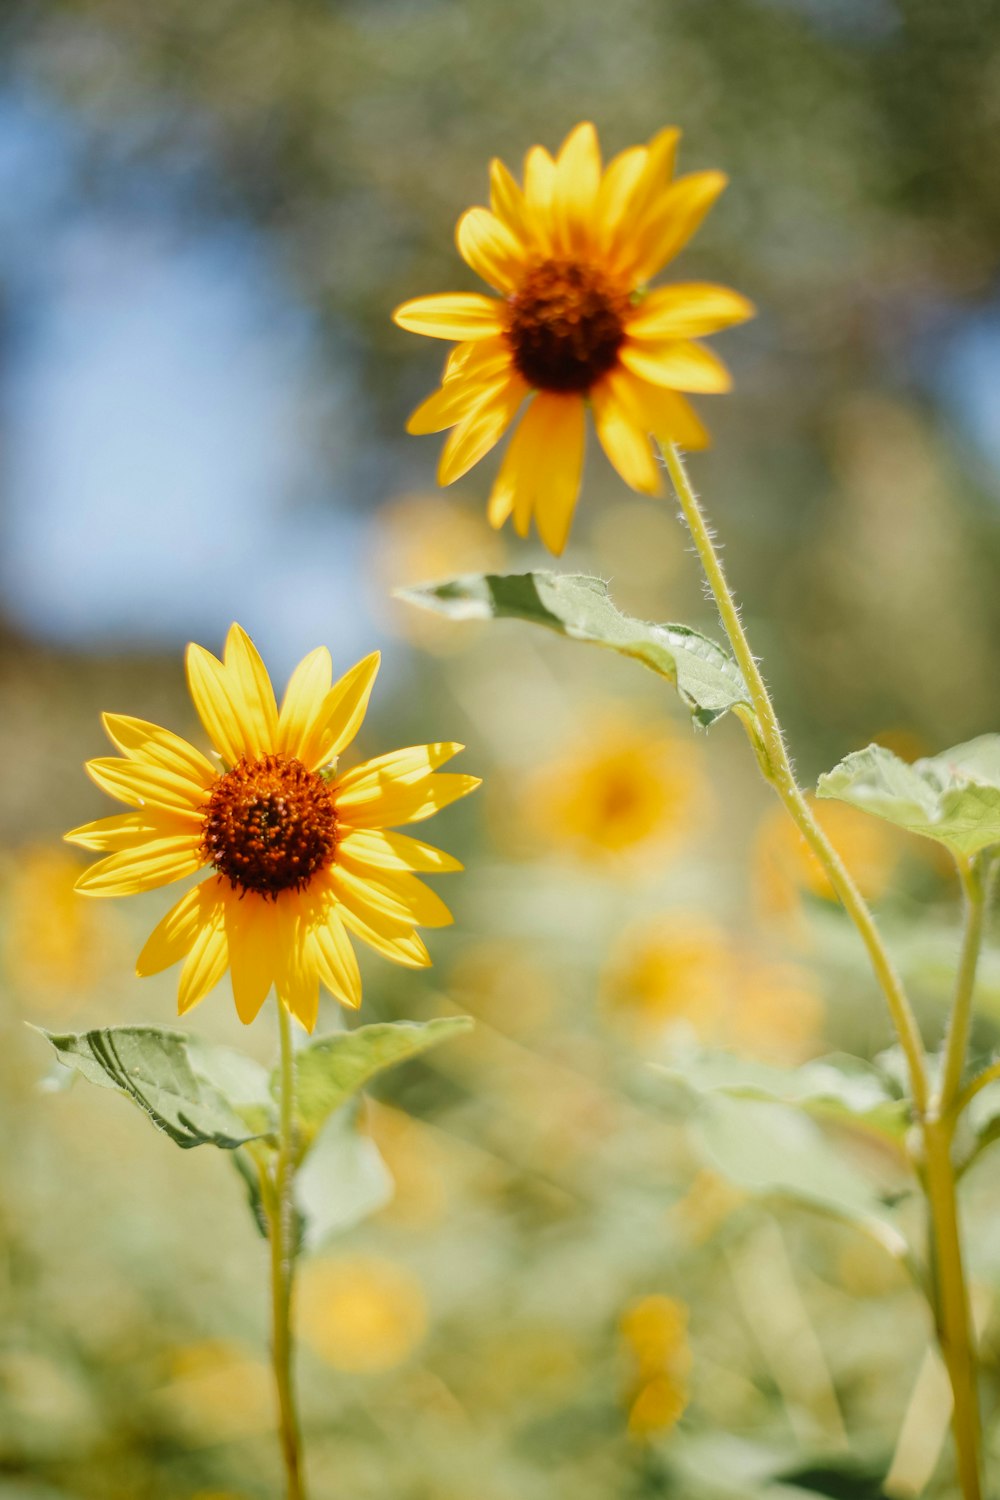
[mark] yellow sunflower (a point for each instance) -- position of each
(571, 254)
(300, 855)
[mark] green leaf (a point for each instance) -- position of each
(342, 1180)
(839, 1478)
(953, 797)
(574, 605)
(197, 1094)
(332, 1069)
(776, 1152)
(840, 1089)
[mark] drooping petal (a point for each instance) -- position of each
(138, 740)
(687, 310)
(456, 400)
(396, 893)
(296, 978)
(664, 414)
(557, 478)
(679, 364)
(336, 961)
(404, 948)
(138, 784)
(625, 443)
(395, 851)
(252, 941)
(155, 862)
(209, 955)
(307, 687)
(172, 937)
(487, 245)
(481, 429)
(479, 361)
(452, 315)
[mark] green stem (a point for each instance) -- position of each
(281, 1218)
(976, 891)
(938, 1177)
(769, 743)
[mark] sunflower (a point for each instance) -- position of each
(571, 254)
(300, 855)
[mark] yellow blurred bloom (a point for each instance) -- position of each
(785, 868)
(361, 1314)
(623, 789)
(417, 1162)
(299, 853)
(681, 971)
(571, 254)
(217, 1392)
(705, 1206)
(654, 1332)
(422, 537)
(54, 946)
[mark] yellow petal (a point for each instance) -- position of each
(138, 784)
(395, 851)
(398, 766)
(208, 684)
(206, 962)
(618, 186)
(679, 364)
(126, 830)
(158, 747)
(251, 938)
(306, 690)
(665, 414)
(508, 203)
(456, 400)
(397, 894)
(557, 478)
(452, 315)
(358, 895)
(488, 246)
(340, 714)
(336, 961)
(687, 310)
(296, 979)
(625, 443)
(172, 937)
(404, 948)
(674, 220)
(539, 185)
(153, 863)
(578, 178)
(251, 693)
(409, 804)
(481, 430)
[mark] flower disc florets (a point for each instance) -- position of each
(270, 824)
(566, 323)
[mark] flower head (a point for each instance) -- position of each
(300, 855)
(571, 254)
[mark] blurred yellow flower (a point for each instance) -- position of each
(55, 947)
(362, 1314)
(422, 537)
(217, 1392)
(571, 254)
(623, 789)
(681, 971)
(300, 854)
(654, 1332)
(785, 868)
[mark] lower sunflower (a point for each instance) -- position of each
(301, 857)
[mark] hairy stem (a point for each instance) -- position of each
(938, 1176)
(281, 1220)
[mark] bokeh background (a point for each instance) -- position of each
(207, 211)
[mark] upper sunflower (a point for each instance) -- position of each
(300, 854)
(571, 254)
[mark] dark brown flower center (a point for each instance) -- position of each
(270, 824)
(565, 325)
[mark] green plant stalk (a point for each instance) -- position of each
(976, 890)
(938, 1177)
(279, 1203)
